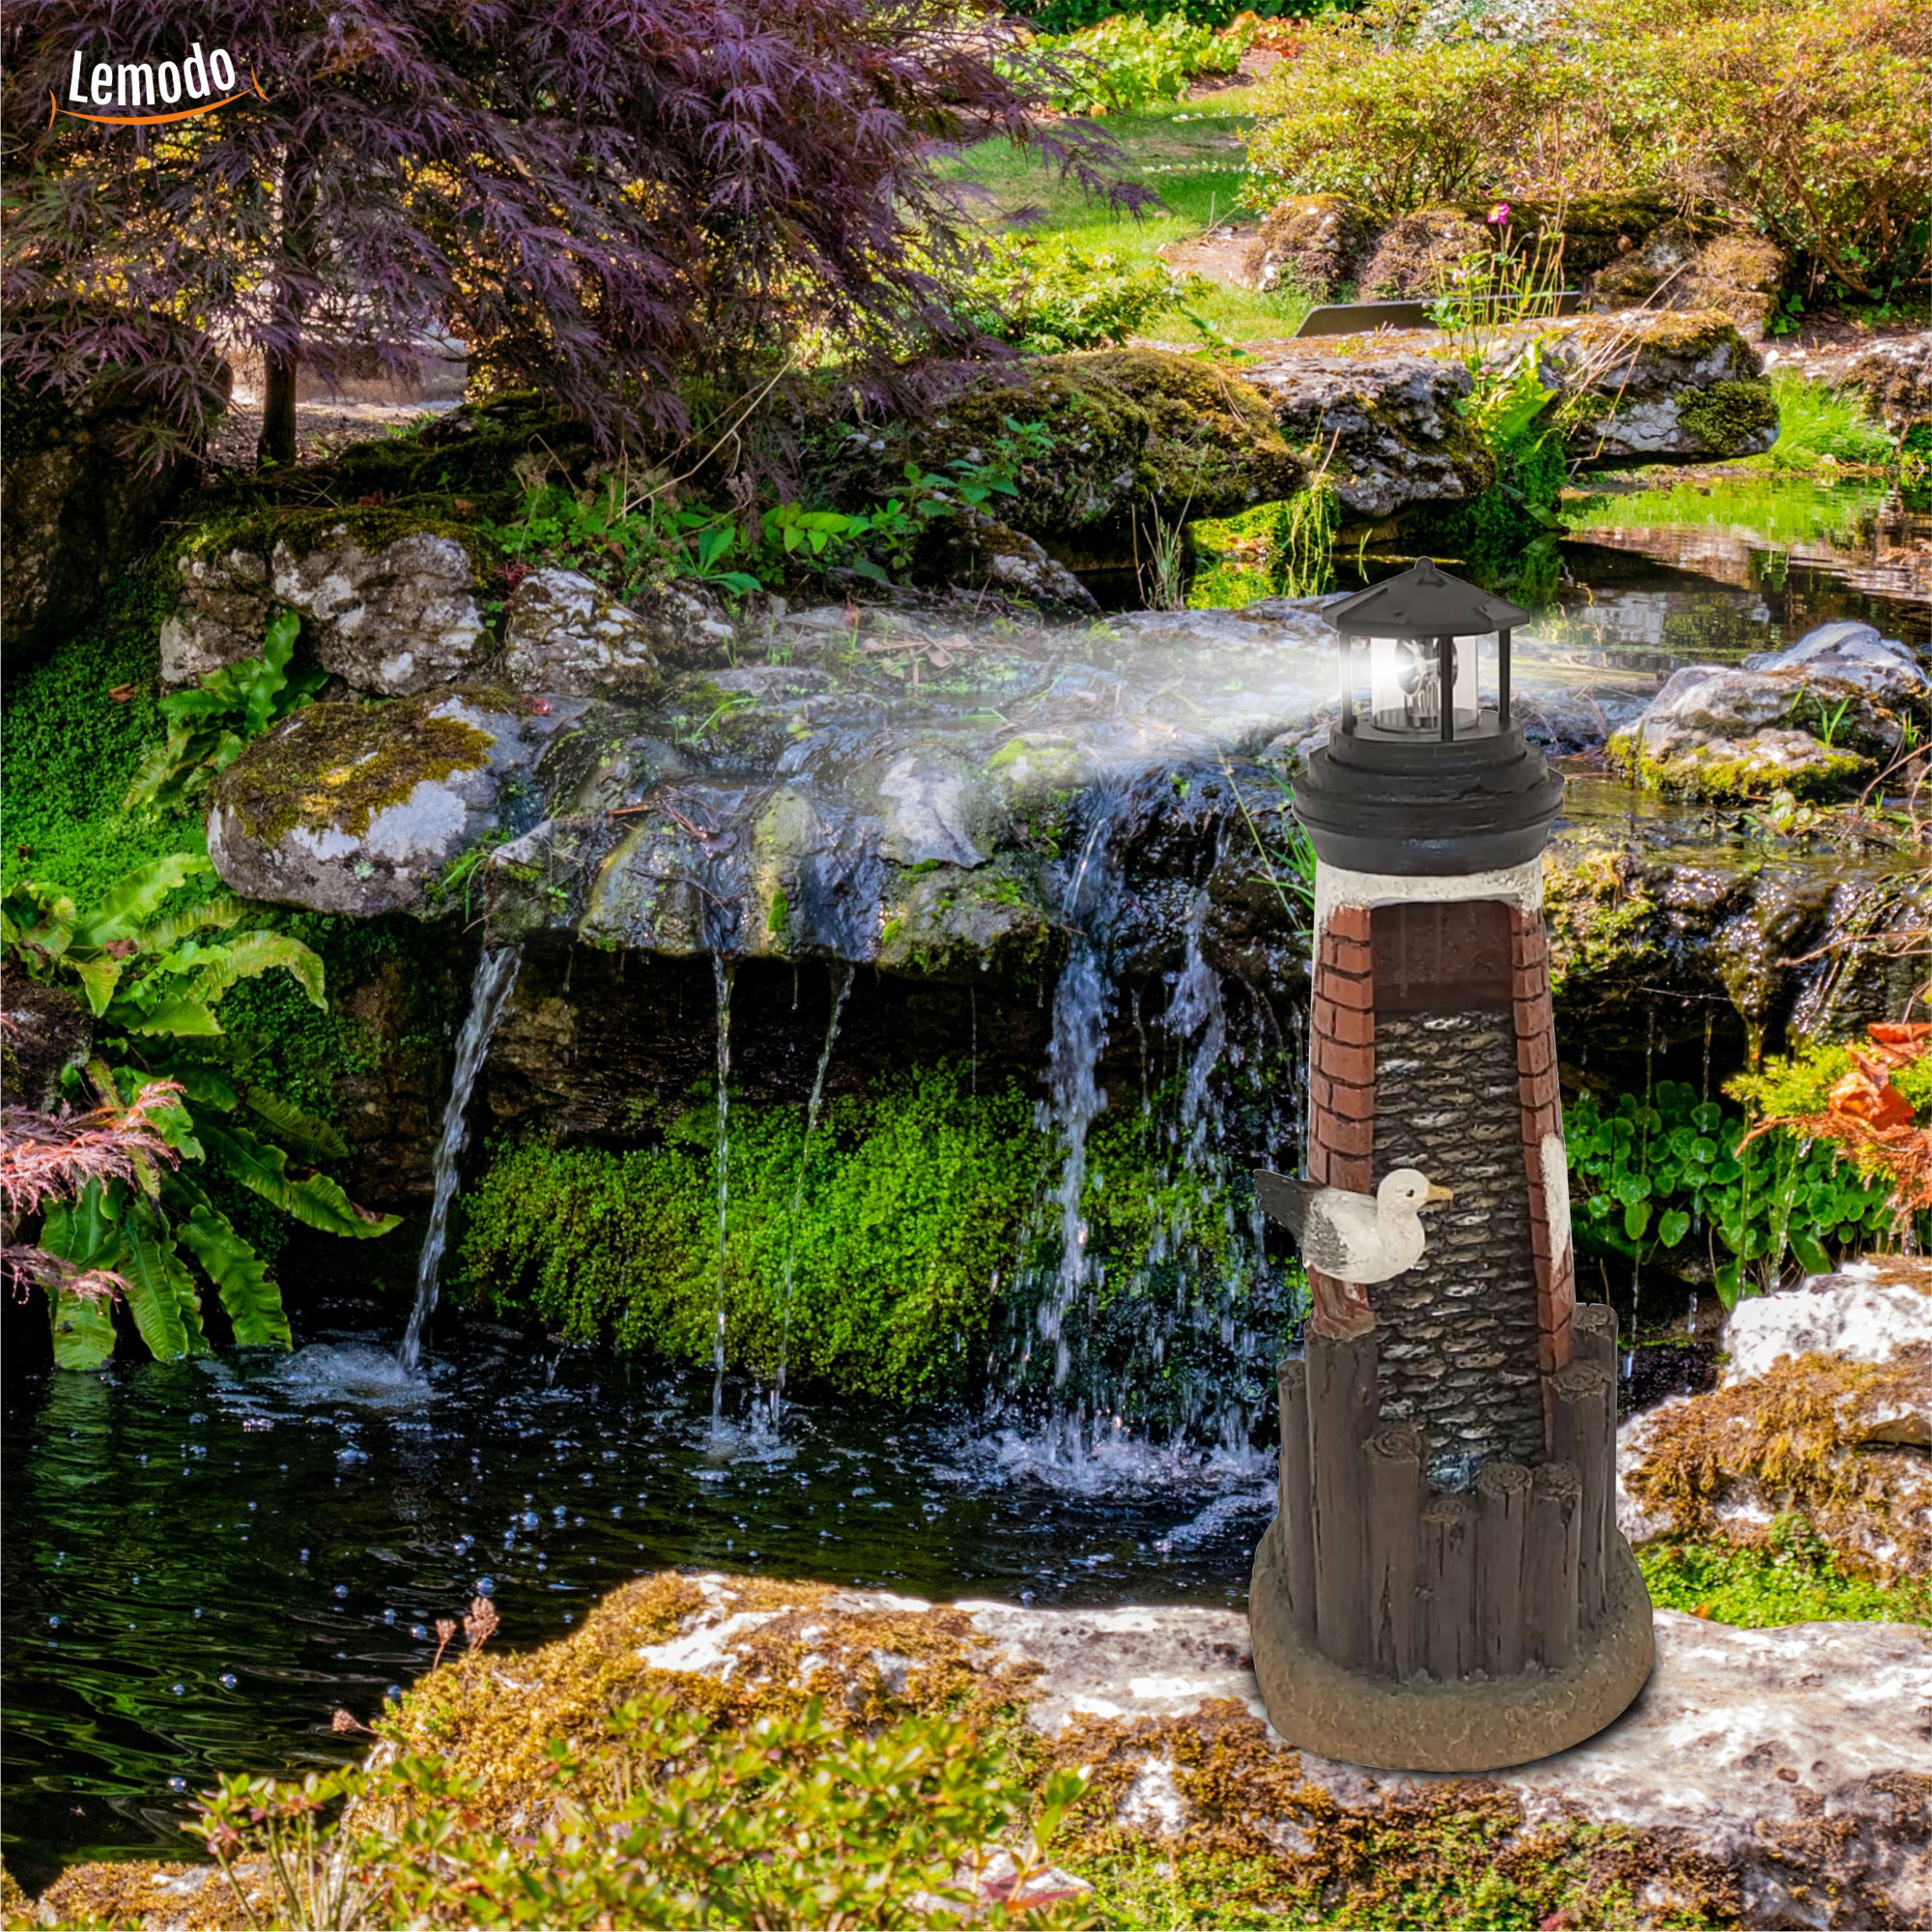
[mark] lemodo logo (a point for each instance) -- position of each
(152, 84)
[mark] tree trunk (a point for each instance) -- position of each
(277, 444)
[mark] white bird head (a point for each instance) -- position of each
(1406, 1190)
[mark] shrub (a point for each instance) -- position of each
(1807, 119)
(1366, 111)
(1803, 119)
(1048, 296)
(1127, 62)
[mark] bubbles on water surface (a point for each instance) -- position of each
(927, 1505)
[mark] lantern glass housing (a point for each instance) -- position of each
(1405, 684)
(1423, 631)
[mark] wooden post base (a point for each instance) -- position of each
(1468, 1724)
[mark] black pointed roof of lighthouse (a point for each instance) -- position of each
(1424, 601)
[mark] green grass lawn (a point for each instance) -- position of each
(1193, 153)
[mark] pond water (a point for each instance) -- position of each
(203, 1560)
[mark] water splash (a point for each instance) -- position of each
(723, 971)
(496, 975)
(1103, 1458)
(842, 987)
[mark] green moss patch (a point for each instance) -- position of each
(1731, 773)
(1727, 415)
(879, 1260)
(335, 766)
(1460, 1854)
(1792, 1578)
(1599, 909)
(893, 1227)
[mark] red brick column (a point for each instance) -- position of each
(1342, 1095)
(1542, 1102)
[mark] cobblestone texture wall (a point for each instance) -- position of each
(1459, 1351)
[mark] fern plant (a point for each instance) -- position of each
(209, 726)
(154, 977)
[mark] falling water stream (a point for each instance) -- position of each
(724, 973)
(496, 975)
(1082, 1004)
(842, 986)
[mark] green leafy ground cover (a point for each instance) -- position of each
(1794, 1580)
(1193, 155)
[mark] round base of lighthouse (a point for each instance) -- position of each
(1464, 1726)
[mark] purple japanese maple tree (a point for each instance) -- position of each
(599, 196)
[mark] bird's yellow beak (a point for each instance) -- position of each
(1439, 1194)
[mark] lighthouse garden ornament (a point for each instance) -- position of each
(1444, 1587)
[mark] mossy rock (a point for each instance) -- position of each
(1731, 418)
(1727, 1464)
(1136, 433)
(358, 808)
(391, 598)
(1738, 772)
(1310, 242)
(1600, 915)
(1415, 256)
(946, 923)
(1657, 382)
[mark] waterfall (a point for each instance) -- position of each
(723, 971)
(496, 975)
(1197, 1007)
(843, 976)
(1082, 1004)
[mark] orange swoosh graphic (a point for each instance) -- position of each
(150, 120)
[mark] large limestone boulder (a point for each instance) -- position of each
(390, 604)
(1651, 384)
(564, 634)
(1387, 425)
(1892, 376)
(1723, 733)
(1682, 265)
(973, 552)
(225, 603)
(391, 616)
(1124, 437)
(358, 808)
(1764, 1779)
(1877, 1312)
(1853, 653)
(1827, 1437)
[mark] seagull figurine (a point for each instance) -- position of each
(1353, 1238)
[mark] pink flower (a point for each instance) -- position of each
(1500, 213)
